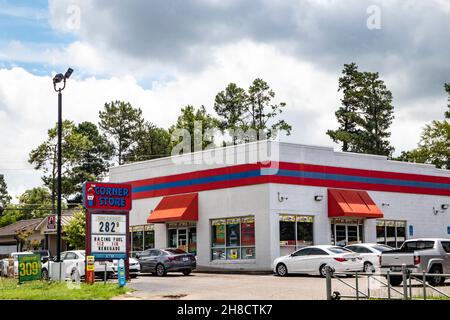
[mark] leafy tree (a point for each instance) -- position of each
(447, 89)
(5, 198)
(262, 112)
(231, 107)
(75, 146)
(434, 146)
(74, 231)
(11, 214)
(35, 203)
(121, 123)
(153, 143)
(189, 119)
(93, 162)
(24, 238)
(366, 115)
(347, 114)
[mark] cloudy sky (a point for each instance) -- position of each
(164, 54)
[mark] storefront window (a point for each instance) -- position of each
(149, 238)
(142, 238)
(391, 232)
(295, 232)
(233, 238)
(173, 238)
(192, 241)
(138, 239)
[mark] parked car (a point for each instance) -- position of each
(45, 255)
(161, 261)
(134, 267)
(74, 263)
(314, 259)
(428, 255)
(370, 254)
(15, 256)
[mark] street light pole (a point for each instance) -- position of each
(58, 201)
(58, 79)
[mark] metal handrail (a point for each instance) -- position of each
(407, 277)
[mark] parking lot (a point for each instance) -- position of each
(202, 286)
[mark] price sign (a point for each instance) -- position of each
(29, 267)
(109, 224)
(109, 236)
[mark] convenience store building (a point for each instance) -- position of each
(240, 207)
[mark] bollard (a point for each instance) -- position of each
(389, 284)
(424, 286)
(328, 282)
(405, 283)
(104, 278)
(410, 285)
(368, 286)
(357, 285)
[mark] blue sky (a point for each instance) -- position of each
(163, 55)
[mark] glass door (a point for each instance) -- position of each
(182, 239)
(346, 234)
(341, 235)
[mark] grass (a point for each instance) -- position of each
(49, 290)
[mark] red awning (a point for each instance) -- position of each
(176, 208)
(352, 203)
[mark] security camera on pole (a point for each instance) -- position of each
(59, 84)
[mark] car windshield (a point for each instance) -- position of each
(382, 248)
(175, 251)
(81, 253)
(339, 250)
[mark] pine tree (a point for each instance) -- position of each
(347, 114)
(366, 113)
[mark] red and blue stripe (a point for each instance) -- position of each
(290, 173)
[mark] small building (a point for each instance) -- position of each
(8, 235)
(44, 232)
(240, 207)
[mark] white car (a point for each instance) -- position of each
(314, 259)
(15, 256)
(74, 264)
(370, 253)
(134, 267)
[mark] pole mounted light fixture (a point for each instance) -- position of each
(57, 79)
(61, 78)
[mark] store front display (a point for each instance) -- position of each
(233, 238)
(296, 231)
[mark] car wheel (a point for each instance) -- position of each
(435, 280)
(395, 280)
(323, 271)
(187, 272)
(368, 267)
(160, 270)
(44, 274)
(282, 270)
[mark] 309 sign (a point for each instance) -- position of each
(108, 224)
(29, 267)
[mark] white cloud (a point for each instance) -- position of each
(28, 102)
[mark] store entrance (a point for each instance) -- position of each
(346, 232)
(183, 236)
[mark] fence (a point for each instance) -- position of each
(404, 292)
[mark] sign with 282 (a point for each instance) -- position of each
(29, 267)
